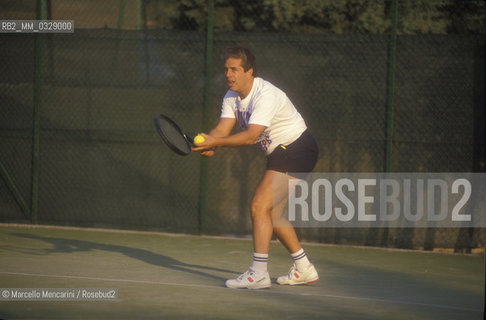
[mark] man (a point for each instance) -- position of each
(267, 118)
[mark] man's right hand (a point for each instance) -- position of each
(207, 153)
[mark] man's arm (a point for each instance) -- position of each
(242, 138)
(222, 129)
(219, 136)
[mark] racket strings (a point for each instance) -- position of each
(173, 135)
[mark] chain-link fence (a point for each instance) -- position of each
(101, 163)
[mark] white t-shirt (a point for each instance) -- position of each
(268, 106)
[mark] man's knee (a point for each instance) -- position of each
(260, 207)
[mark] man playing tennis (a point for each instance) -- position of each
(267, 118)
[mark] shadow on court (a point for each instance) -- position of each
(63, 245)
(155, 274)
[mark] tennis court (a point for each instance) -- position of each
(164, 276)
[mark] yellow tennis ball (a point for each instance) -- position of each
(199, 139)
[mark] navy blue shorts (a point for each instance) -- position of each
(299, 156)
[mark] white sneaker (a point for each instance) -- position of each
(299, 277)
(250, 280)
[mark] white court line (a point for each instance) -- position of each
(228, 237)
(260, 291)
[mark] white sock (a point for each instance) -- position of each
(300, 260)
(260, 262)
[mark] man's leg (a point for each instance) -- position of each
(273, 190)
(261, 212)
(287, 236)
(302, 272)
(273, 186)
(270, 198)
(257, 276)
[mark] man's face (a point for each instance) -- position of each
(236, 78)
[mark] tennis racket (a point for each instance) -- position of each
(172, 134)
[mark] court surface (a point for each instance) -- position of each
(162, 276)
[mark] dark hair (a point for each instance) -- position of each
(248, 60)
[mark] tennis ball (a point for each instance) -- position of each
(199, 139)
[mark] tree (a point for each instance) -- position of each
(321, 16)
